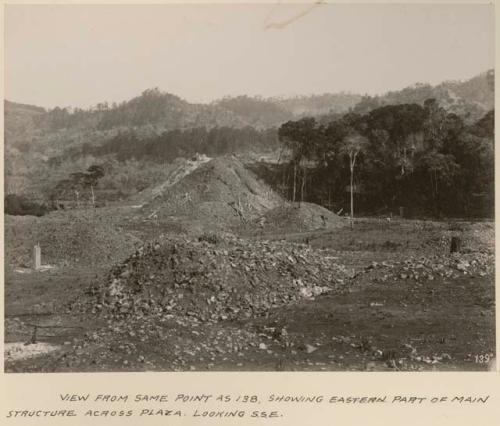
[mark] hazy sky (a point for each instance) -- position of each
(79, 55)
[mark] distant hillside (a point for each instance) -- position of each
(257, 112)
(21, 120)
(479, 89)
(272, 112)
(49, 133)
(334, 103)
(34, 135)
(155, 111)
(470, 99)
(24, 108)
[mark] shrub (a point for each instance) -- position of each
(210, 237)
(18, 205)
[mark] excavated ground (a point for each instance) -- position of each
(212, 270)
(396, 300)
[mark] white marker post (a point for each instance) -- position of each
(37, 257)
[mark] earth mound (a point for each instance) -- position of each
(298, 217)
(72, 238)
(220, 192)
(214, 279)
(178, 169)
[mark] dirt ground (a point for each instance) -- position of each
(389, 317)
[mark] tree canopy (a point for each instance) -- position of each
(416, 156)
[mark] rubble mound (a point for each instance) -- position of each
(478, 237)
(429, 268)
(297, 217)
(215, 279)
(73, 239)
(219, 192)
(474, 236)
(20, 351)
(179, 168)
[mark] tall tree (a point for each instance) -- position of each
(353, 144)
(91, 178)
(300, 137)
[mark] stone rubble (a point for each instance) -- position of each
(205, 282)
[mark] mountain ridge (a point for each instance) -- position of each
(168, 111)
(35, 136)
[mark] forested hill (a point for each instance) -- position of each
(470, 99)
(43, 146)
(155, 111)
(21, 121)
(272, 112)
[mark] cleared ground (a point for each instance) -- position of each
(407, 305)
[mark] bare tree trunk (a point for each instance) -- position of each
(294, 181)
(352, 162)
(352, 197)
(403, 165)
(284, 174)
(284, 181)
(438, 204)
(302, 189)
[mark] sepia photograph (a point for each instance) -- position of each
(249, 187)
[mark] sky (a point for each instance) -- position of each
(80, 55)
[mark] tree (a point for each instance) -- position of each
(402, 124)
(300, 137)
(353, 144)
(441, 170)
(328, 146)
(77, 182)
(91, 178)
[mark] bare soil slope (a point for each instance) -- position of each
(66, 238)
(178, 169)
(223, 195)
(298, 217)
(220, 193)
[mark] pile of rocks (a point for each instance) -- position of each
(215, 279)
(431, 267)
